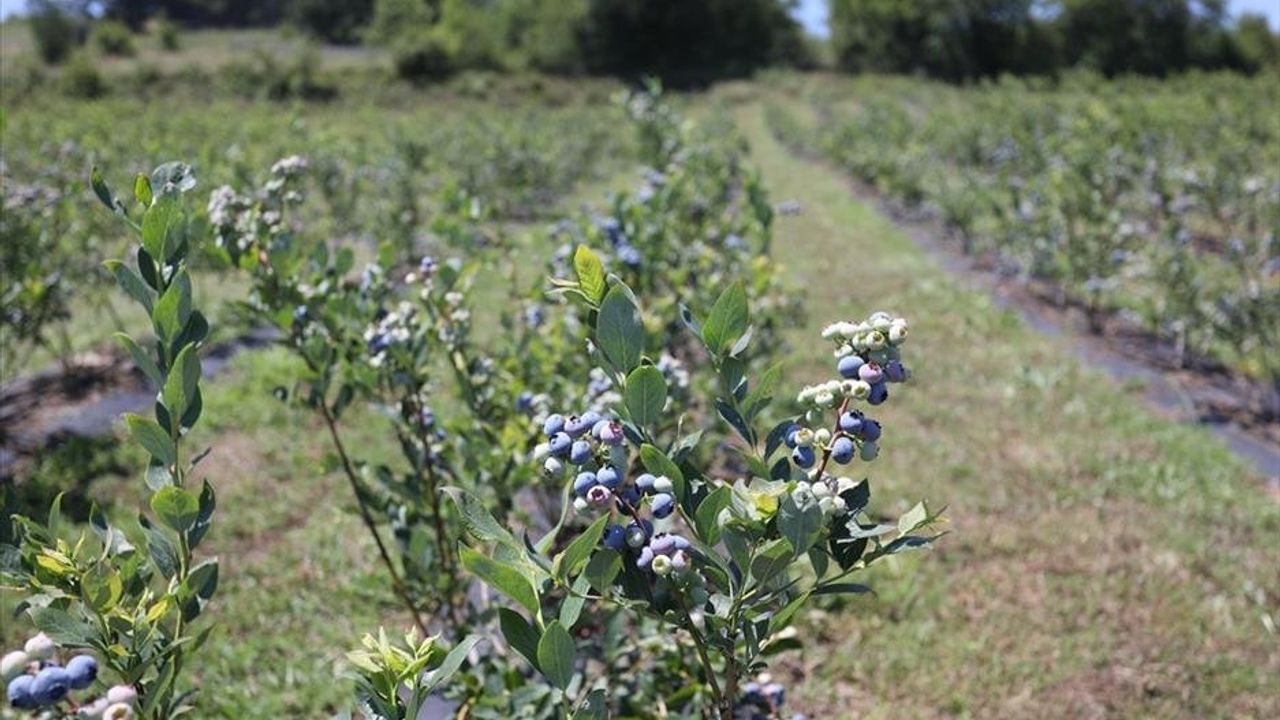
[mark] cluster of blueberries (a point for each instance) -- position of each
(627, 253)
(35, 679)
(762, 699)
(858, 436)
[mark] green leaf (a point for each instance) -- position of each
(448, 666)
(161, 550)
(208, 504)
(801, 525)
(505, 578)
(141, 359)
(151, 436)
(101, 588)
(842, 589)
(476, 518)
(102, 191)
(555, 655)
(173, 309)
(61, 627)
(913, 519)
(176, 507)
(590, 272)
(657, 462)
(571, 607)
(771, 561)
(520, 635)
(569, 562)
(645, 395)
(706, 518)
(142, 189)
(728, 320)
(183, 383)
(131, 284)
(619, 331)
(160, 225)
(601, 570)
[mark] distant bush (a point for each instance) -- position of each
(266, 77)
(335, 21)
(167, 33)
(423, 55)
(55, 32)
(81, 79)
(113, 38)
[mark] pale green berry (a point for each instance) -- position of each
(541, 450)
(803, 485)
(580, 504)
(661, 565)
(897, 334)
(827, 506)
(12, 664)
(859, 389)
(822, 436)
(870, 450)
(820, 490)
(39, 647)
(662, 484)
(824, 398)
(876, 340)
(804, 437)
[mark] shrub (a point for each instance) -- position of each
(113, 38)
(424, 54)
(81, 79)
(167, 33)
(56, 34)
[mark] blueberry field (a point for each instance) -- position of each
(353, 377)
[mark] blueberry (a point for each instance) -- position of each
(83, 670)
(804, 457)
(638, 535)
(645, 483)
(646, 557)
(524, 402)
(895, 372)
(879, 393)
(870, 430)
(851, 421)
(870, 373)
(553, 468)
(559, 444)
(848, 366)
(790, 435)
(553, 424)
(776, 693)
(663, 505)
(19, 692)
(584, 482)
(628, 496)
(599, 495)
(591, 417)
(608, 477)
(751, 692)
(663, 484)
(842, 450)
(680, 542)
(580, 452)
(612, 433)
(870, 450)
(615, 537)
(51, 685)
(575, 426)
(663, 545)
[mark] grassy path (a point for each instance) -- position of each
(1103, 562)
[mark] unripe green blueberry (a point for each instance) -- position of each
(820, 490)
(661, 565)
(804, 438)
(876, 340)
(122, 694)
(118, 711)
(824, 398)
(553, 468)
(580, 504)
(13, 664)
(822, 436)
(827, 506)
(39, 647)
(870, 450)
(663, 484)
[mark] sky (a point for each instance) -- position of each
(813, 13)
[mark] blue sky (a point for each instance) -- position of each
(813, 13)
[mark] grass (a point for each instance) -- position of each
(1102, 562)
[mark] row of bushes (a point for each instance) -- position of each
(58, 34)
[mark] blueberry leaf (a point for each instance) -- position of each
(645, 395)
(555, 655)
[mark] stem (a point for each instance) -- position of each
(826, 454)
(369, 523)
(723, 703)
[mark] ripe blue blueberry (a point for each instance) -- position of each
(842, 450)
(871, 373)
(51, 685)
(663, 505)
(83, 670)
(663, 545)
(628, 496)
(591, 417)
(637, 534)
(615, 537)
(804, 457)
(575, 426)
(553, 424)
(870, 430)
(751, 692)
(559, 444)
(848, 366)
(19, 692)
(645, 482)
(583, 483)
(851, 421)
(879, 393)
(776, 693)
(608, 477)
(645, 558)
(895, 372)
(789, 437)
(580, 452)
(611, 433)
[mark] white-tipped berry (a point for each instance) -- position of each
(39, 647)
(12, 664)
